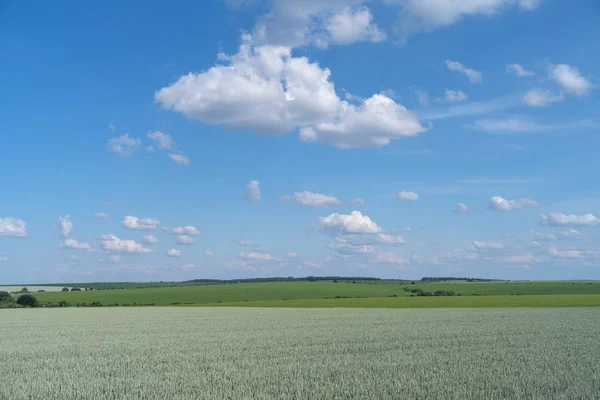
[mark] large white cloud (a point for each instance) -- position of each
(266, 90)
(123, 145)
(558, 219)
(161, 140)
(71, 243)
(501, 204)
(252, 193)
(13, 227)
(310, 199)
(131, 222)
(354, 222)
(64, 226)
(114, 244)
(472, 75)
(570, 79)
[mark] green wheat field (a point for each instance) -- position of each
(272, 353)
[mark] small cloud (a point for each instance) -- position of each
(358, 202)
(471, 74)
(111, 126)
(179, 159)
(101, 215)
(408, 229)
(12, 227)
(150, 239)
(150, 149)
(570, 79)
(123, 146)
(501, 204)
(571, 234)
(256, 256)
(114, 244)
(64, 226)
(161, 140)
(74, 244)
(318, 200)
(354, 222)
(455, 96)
(541, 98)
(131, 222)
(558, 219)
(291, 255)
(208, 254)
(184, 239)
(460, 208)
(518, 70)
(407, 196)
(252, 193)
(184, 230)
(245, 243)
(174, 253)
(487, 245)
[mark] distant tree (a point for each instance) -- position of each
(24, 290)
(65, 289)
(63, 303)
(27, 300)
(335, 281)
(75, 289)
(5, 297)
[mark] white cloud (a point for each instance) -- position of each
(161, 140)
(179, 159)
(12, 227)
(150, 239)
(345, 249)
(568, 254)
(311, 264)
(422, 97)
(487, 245)
(75, 259)
(420, 15)
(101, 215)
(174, 253)
(354, 222)
(350, 26)
(358, 202)
(519, 70)
(114, 258)
(527, 258)
(471, 74)
(185, 230)
(131, 222)
(375, 123)
(558, 219)
(245, 243)
(111, 126)
(369, 239)
(501, 204)
(460, 208)
(518, 125)
(570, 79)
(543, 236)
(123, 145)
(114, 244)
(541, 98)
(408, 229)
(266, 90)
(256, 256)
(252, 193)
(310, 199)
(150, 149)
(208, 254)
(184, 239)
(291, 255)
(71, 243)
(391, 258)
(570, 234)
(407, 196)
(454, 96)
(64, 226)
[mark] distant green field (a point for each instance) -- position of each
(322, 293)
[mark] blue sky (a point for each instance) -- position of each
(268, 138)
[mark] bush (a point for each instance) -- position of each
(27, 300)
(5, 296)
(65, 289)
(75, 289)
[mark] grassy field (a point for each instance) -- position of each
(233, 353)
(285, 293)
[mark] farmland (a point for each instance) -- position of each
(233, 353)
(361, 294)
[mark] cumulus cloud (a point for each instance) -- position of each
(351, 25)
(558, 219)
(131, 222)
(252, 193)
(541, 98)
(101, 215)
(124, 146)
(64, 226)
(71, 243)
(184, 239)
(460, 208)
(179, 159)
(208, 254)
(256, 256)
(185, 230)
(454, 96)
(266, 90)
(519, 70)
(174, 253)
(161, 140)
(501, 204)
(150, 239)
(570, 80)
(354, 222)
(407, 196)
(471, 74)
(114, 244)
(310, 199)
(12, 227)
